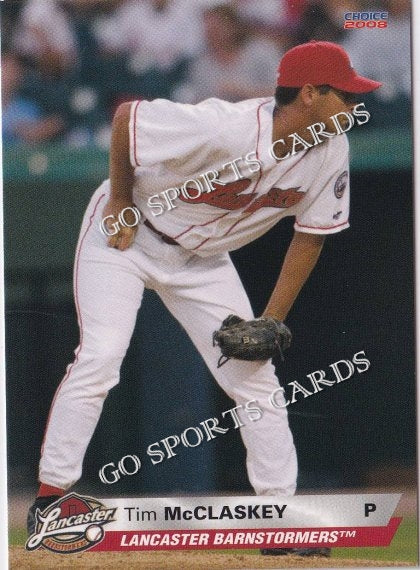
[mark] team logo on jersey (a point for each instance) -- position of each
(277, 198)
(71, 524)
(340, 184)
(230, 197)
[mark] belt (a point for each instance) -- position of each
(164, 237)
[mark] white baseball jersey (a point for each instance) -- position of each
(205, 176)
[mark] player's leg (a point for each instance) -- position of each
(200, 297)
(108, 290)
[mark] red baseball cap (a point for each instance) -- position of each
(322, 63)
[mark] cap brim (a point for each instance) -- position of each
(357, 84)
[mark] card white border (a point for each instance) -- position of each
(4, 543)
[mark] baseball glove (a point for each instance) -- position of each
(259, 339)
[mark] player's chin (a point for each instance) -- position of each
(343, 121)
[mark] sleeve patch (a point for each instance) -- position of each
(340, 184)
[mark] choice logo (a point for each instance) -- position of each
(367, 20)
(71, 524)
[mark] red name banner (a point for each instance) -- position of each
(249, 538)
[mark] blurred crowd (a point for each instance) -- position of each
(67, 64)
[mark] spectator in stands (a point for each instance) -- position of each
(324, 20)
(270, 14)
(10, 14)
(159, 38)
(276, 20)
(45, 36)
(23, 120)
(55, 40)
(236, 64)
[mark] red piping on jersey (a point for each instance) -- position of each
(135, 137)
(79, 318)
(200, 244)
(253, 191)
(321, 227)
(236, 223)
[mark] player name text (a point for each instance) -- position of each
(209, 512)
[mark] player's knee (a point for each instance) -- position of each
(241, 377)
(106, 356)
(104, 360)
(106, 346)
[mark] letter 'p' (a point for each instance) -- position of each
(369, 508)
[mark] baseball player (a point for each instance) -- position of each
(192, 183)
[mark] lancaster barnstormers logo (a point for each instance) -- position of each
(70, 524)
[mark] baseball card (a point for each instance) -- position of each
(209, 284)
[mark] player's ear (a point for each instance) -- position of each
(309, 94)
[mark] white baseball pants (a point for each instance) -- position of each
(200, 293)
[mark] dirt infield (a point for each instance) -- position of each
(20, 559)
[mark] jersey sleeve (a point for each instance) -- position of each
(325, 208)
(162, 131)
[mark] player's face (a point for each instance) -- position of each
(346, 97)
(334, 101)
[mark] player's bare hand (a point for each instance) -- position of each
(121, 220)
(123, 239)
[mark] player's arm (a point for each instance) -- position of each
(121, 174)
(301, 258)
